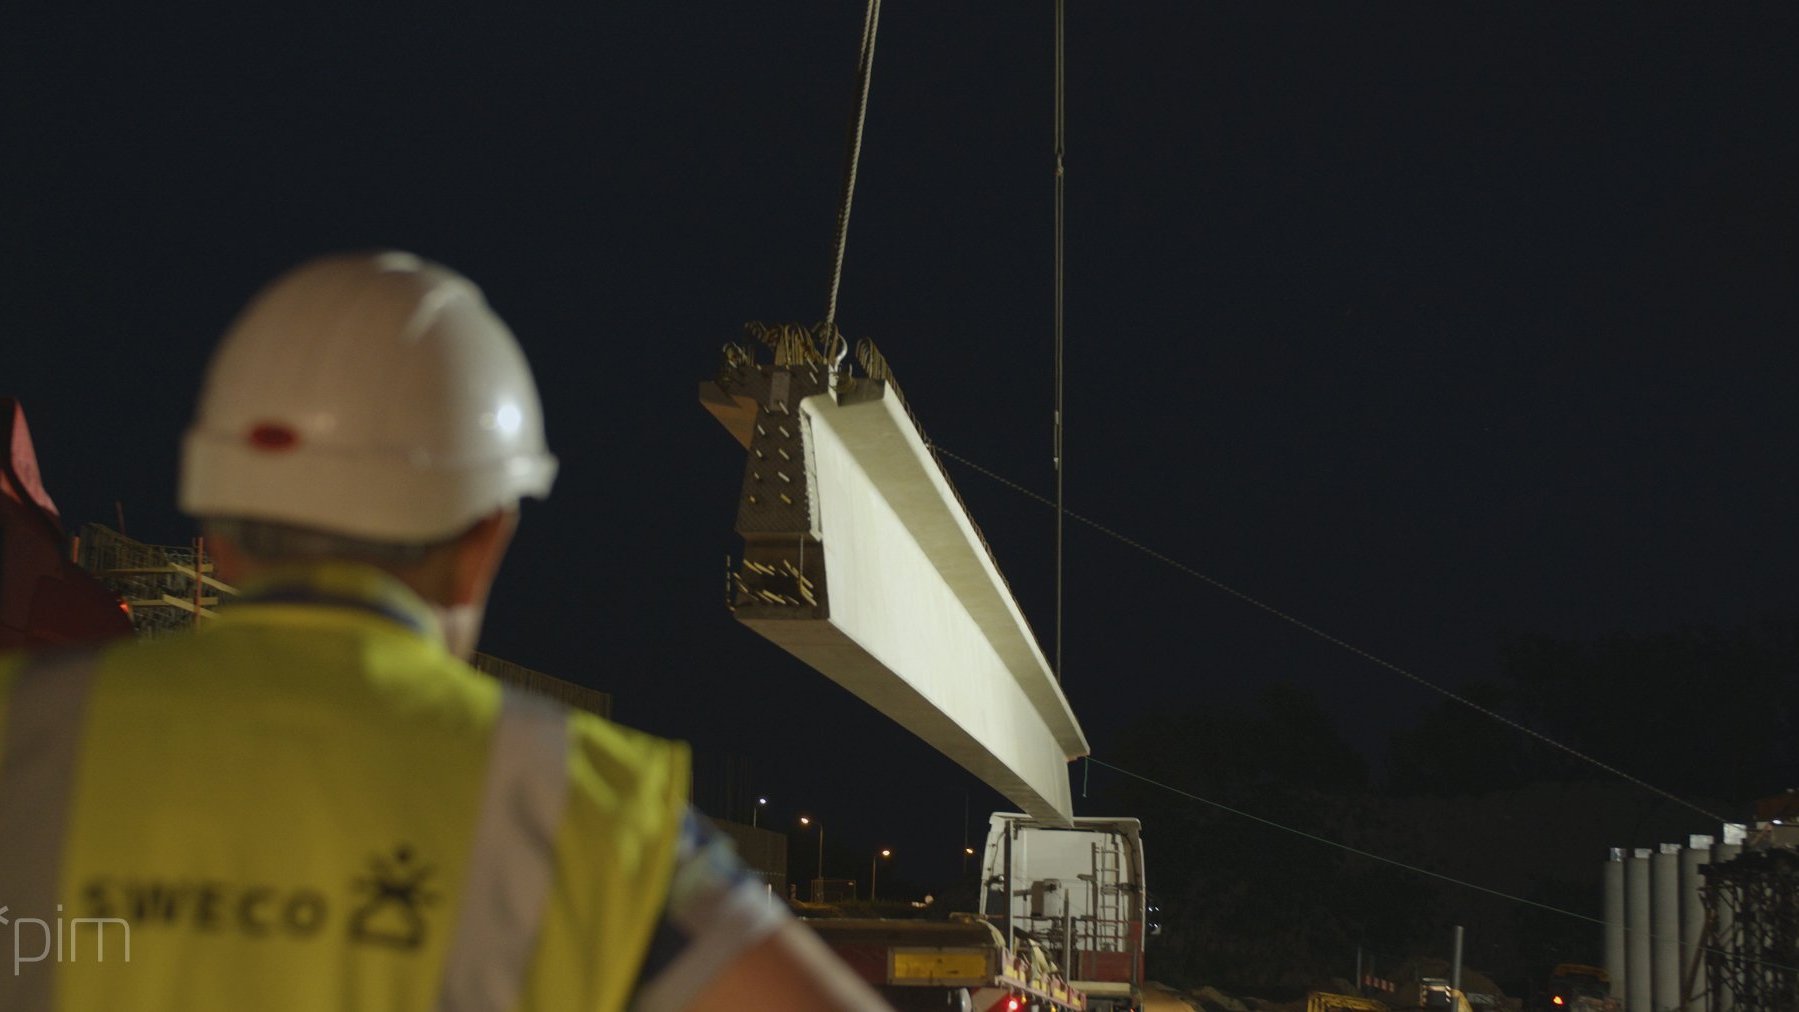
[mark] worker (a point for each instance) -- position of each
(316, 803)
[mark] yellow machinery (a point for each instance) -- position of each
(1320, 1001)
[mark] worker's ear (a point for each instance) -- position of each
(478, 553)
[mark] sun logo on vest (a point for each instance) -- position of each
(392, 915)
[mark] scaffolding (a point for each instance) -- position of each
(168, 588)
(171, 589)
(1753, 903)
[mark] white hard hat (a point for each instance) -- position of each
(370, 395)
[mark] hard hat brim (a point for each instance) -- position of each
(229, 477)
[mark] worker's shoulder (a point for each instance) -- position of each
(335, 679)
(599, 740)
(611, 764)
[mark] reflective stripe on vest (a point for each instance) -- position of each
(41, 743)
(512, 863)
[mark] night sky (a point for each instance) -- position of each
(1426, 325)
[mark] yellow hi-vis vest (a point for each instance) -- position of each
(313, 805)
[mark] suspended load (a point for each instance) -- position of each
(860, 559)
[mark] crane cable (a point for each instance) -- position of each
(1061, 149)
(871, 19)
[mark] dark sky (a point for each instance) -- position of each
(1423, 324)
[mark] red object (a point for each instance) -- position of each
(1110, 966)
(273, 436)
(44, 598)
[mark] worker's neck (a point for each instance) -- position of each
(431, 580)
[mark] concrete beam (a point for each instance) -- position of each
(861, 561)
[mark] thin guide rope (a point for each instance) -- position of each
(1344, 644)
(1395, 862)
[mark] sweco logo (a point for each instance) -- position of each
(54, 935)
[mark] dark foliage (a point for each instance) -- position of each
(1720, 707)
(1700, 712)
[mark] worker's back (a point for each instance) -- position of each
(313, 805)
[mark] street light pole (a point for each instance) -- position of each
(756, 811)
(805, 821)
(874, 864)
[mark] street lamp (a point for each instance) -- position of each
(874, 864)
(756, 812)
(804, 821)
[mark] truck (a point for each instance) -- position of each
(1437, 993)
(1061, 927)
(1577, 987)
(1325, 1001)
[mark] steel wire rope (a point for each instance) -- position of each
(1061, 151)
(1328, 638)
(865, 65)
(1327, 841)
(1395, 862)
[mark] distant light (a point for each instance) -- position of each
(761, 801)
(1557, 1000)
(968, 850)
(1011, 1005)
(805, 821)
(886, 853)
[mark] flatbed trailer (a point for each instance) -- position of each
(962, 963)
(1060, 927)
